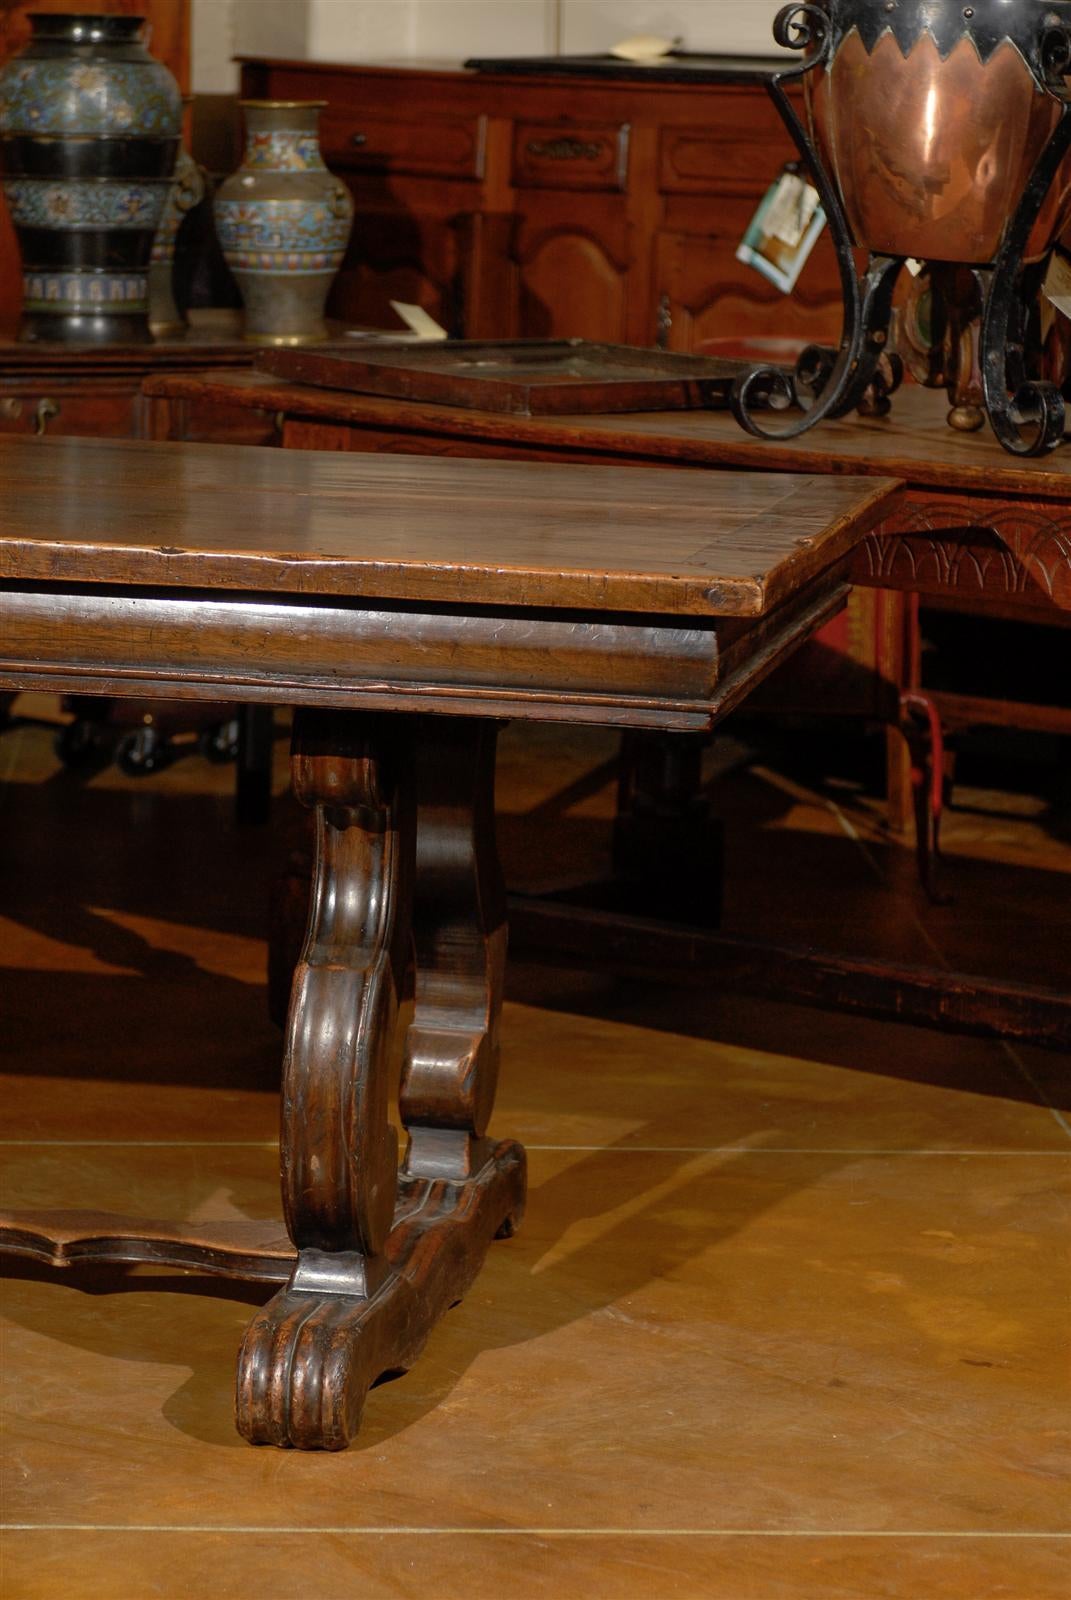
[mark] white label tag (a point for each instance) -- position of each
(791, 208)
(422, 323)
(781, 234)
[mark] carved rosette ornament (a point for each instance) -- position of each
(938, 131)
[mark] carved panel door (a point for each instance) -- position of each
(569, 264)
(704, 293)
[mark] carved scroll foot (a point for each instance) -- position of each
(372, 1258)
(381, 1256)
(311, 1355)
(304, 1368)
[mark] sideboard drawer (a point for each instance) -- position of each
(716, 161)
(439, 147)
(101, 413)
(570, 155)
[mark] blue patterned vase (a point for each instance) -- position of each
(89, 132)
(284, 222)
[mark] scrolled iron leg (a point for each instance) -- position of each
(1026, 414)
(860, 374)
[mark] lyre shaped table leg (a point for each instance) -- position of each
(381, 1256)
(300, 1378)
(459, 930)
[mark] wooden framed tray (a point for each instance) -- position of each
(523, 377)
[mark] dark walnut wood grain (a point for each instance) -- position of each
(451, 532)
(345, 1314)
(355, 588)
(913, 443)
(974, 521)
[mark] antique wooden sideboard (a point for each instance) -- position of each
(405, 606)
(541, 205)
(94, 391)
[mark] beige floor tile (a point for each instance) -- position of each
(452, 1566)
(630, 1072)
(762, 1342)
(758, 1339)
(785, 1078)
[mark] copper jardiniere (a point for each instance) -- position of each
(939, 131)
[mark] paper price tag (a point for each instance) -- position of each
(782, 232)
(792, 205)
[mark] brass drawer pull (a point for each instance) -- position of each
(10, 408)
(359, 139)
(564, 149)
(46, 409)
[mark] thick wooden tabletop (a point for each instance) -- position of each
(414, 528)
(914, 443)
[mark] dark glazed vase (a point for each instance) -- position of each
(89, 133)
(931, 115)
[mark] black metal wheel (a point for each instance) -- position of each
(219, 743)
(142, 752)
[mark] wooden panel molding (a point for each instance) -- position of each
(570, 156)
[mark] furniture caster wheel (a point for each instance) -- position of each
(80, 744)
(141, 753)
(219, 744)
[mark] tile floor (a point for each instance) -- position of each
(788, 1316)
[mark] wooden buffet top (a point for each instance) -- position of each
(914, 443)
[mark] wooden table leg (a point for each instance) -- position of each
(380, 1258)
(252, 778)
(667, 847)
(374, 1256)
(459, 927)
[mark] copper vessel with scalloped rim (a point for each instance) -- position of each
(931, 114)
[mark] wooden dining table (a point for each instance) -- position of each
(405, 607)
(975, 530)
(974, 522)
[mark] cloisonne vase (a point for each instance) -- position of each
(936, 131)
(89, 133)
(283, 222)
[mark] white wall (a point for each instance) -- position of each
(723, 27)
(225, 28)
(450, 30)
(361, 30)
(212, 45)
(447, 30)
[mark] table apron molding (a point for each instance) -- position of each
(976, 547)
(642, 672)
